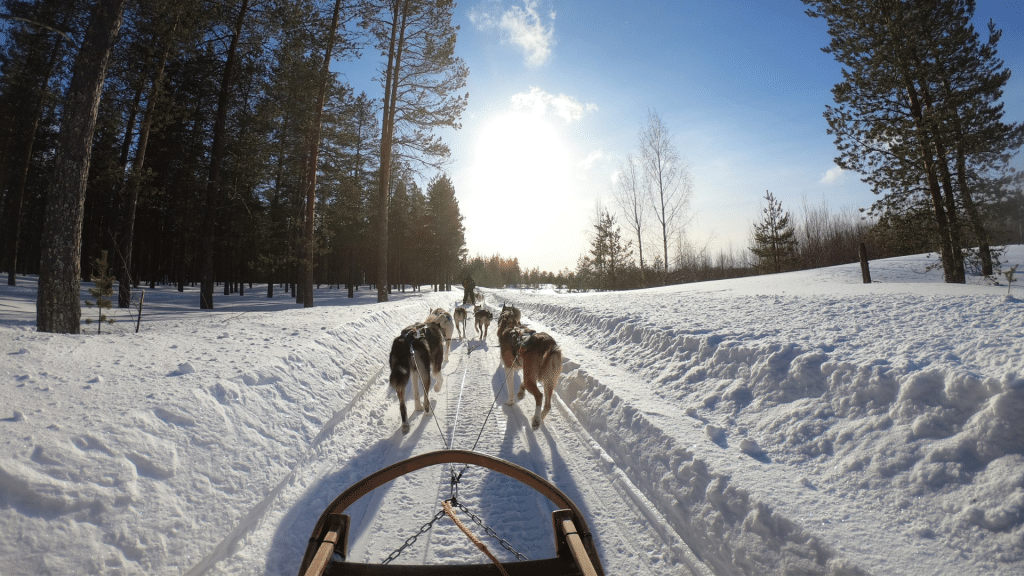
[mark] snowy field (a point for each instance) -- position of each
(795, 423)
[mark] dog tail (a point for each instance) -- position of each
(551, 363)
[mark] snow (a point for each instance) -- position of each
(794, 423)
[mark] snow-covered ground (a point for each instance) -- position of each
(795, 423)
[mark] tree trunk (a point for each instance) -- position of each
(947, 250)
(134, 177)
(58, 307)
(17, 199)
(307, 284)
(124, 293)
(216, 156)
(865, 271)
(386, 141)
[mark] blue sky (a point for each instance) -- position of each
(558, 92)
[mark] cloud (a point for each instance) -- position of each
(523, 26)
(539, 102)
(834, 174)
(588, 162)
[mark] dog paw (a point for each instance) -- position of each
(405, 428)
(535, 423)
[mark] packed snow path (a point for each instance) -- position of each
(793, 423)
(469, 412)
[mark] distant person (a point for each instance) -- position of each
(468, 285)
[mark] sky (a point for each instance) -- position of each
(797, 423)
(559, 91)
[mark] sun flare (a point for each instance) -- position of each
(520, 157)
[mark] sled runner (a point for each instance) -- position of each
(576, 554)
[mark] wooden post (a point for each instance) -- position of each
(864, 271)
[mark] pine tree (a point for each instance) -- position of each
(609, 255)
(918, 112)
(447, 233)
(774, 238)
(103, 278)
(421, 79)
(57, 306)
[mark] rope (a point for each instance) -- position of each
(483, 547)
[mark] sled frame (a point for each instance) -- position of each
(574, 545)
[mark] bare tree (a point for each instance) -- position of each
(667, 181)
(629, 195)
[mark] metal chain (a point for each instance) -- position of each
(490, 532)
(412, 539)
(454, 499)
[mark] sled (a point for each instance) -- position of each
(576, 554)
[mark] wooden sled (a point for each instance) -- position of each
(576, 554)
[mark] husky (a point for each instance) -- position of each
(460, 316)
(483, 318)
(537, 355)
(516, 314)
(442, 318)
(417, 349)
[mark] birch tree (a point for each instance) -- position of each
(629, 194)
(667, 181)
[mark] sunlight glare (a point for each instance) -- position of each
(520, 159)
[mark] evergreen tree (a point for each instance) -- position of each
(447, 233)
(103, 278)
(57, 305)
(421, 77)
(609, 255)
(774, 242)
(917, 111)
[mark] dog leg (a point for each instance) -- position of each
(537, 416)
(419, 372)
(510, 386)
(401, 408)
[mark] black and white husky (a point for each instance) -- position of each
(420, 349)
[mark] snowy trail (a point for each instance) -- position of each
(630, 533)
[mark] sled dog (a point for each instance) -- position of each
(483, 318)
(417, 349)
(460, 316)
(442, 318)
(516, 314)
(537, 355)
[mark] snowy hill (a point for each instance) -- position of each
(801, 422)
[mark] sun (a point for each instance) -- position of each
(522, 195)
(520, 157)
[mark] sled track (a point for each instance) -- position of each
(631, 534)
